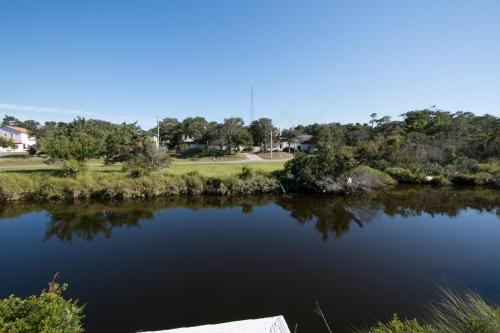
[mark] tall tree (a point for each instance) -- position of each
(261, 131)
(235, 133)
(195, 128)
(171, 132)
(289, 135)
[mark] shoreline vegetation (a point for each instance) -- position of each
(451, 313)
(427, 147)
(44, 185)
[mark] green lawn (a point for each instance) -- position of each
(206, 169)
(224, 169)
(277, 155)
(235, 157)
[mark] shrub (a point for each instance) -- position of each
(193, 153)
(32, 150)
(396, 325)
(463, 179)
(467, 165)
(371, 177)
(305, 171)
(492, 168)
(195, 183)
(136, 171)
(246, 172)
(47, 313)
(404, 176)
(149, 160)
(71, 168)
(360, 179)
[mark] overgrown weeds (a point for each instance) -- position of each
(453, 313)
(120, 185)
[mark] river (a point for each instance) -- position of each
(184, 261)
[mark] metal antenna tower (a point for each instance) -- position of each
(251, 104)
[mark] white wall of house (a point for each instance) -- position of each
(305, 147)
(22, 140)
(297, 146)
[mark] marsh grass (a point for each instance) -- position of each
(464, 313)
(453, 313)
(120, 185)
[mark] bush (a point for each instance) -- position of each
(32, 150)
(136, 171)
(466, 165)
(395, 325)
(200, 152)
(246, 172)
(150, 160)
(405, 176)
(71, 168)
(47, 313)
(492, 168)
(370, 177)
(360, 179)
(464, 179)
(195, 182)
(480, 178)
(305, 171)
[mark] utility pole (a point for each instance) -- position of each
(158, 132)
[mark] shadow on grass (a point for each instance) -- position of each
(50, 172)
(53, 171)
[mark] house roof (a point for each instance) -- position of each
(17, 129)
(305, 138)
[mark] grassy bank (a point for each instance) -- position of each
(27, 181)
(114, 184)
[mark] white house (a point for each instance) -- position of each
(17, 135)
(304, 143)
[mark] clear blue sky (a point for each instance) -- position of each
(309, 61)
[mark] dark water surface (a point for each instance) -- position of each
(159, 264)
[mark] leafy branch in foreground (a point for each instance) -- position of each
(49, 312)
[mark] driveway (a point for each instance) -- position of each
(252, 157)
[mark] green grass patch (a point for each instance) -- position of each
(276, 155)
(105, 182)
(224, 169)
(233, 157)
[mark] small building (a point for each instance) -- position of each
(19, 136)
(303, 143)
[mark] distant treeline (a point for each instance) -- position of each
(425, 146)
(422, 136)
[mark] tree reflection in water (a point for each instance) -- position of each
(332, 215)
